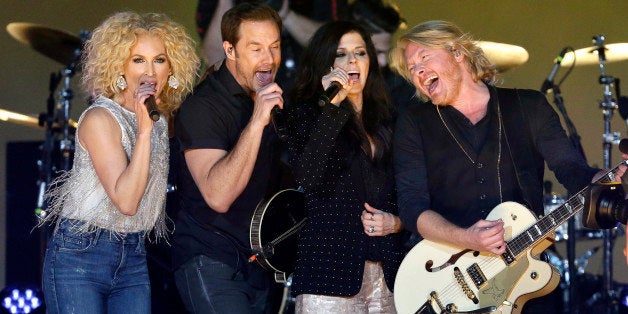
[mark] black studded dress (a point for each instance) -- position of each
(338, 177)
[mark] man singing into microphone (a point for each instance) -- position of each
(227, 147)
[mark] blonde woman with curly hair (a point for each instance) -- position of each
(115, 195)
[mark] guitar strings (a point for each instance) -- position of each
(490, 266)
(493, 265)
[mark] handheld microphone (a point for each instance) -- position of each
(549, 81)
(329, 93)
(151, 105)
(279, 123)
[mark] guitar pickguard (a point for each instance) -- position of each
(496, 289)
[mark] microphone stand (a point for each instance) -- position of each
(571, 128)
(66, 145)
(574, 137)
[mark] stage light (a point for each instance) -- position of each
(18, 299)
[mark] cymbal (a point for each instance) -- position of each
(589, 55)
(6, 115)
(55, 44)
(10, 116)
(503, 56)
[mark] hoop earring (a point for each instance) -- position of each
(173, 82)
(121, 82)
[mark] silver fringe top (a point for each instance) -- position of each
(78, 194)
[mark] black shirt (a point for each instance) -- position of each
(480, 179)
(213, 118)
(432, 172)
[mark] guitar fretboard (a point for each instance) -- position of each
(523, 241)
(547, 224)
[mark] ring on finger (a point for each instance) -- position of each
(371, 229)
(372, 216)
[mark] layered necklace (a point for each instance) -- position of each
(499, 144)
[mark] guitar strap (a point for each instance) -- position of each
(520, 145)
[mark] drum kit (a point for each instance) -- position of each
(58, 148)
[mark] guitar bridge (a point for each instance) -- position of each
(465, 287)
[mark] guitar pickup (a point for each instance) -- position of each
(476, 275)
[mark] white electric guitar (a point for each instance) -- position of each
(440, 278)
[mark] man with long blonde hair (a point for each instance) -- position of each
(473, 145)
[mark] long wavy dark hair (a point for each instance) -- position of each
(318, 57)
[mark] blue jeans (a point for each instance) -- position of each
(210, 286)
(96, 272)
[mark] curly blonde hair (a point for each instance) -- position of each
(109, 47)
(443, 34)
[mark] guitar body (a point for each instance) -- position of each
(449, 278)
(274, 232)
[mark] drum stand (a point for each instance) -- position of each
(56, 120)
(606, 297)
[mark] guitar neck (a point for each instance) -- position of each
(546, 225)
